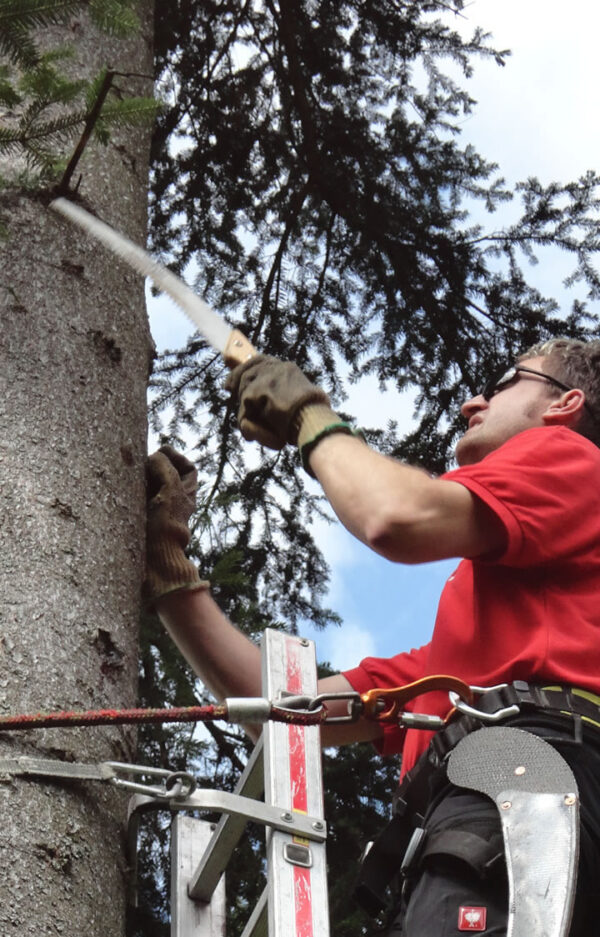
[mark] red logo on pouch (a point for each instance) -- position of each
(472, 919)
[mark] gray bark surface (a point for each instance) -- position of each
(74, 359)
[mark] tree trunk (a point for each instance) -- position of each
(74, 358)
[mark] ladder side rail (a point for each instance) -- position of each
(296, 867)
(228, 832)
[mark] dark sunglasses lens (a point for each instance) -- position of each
(497, 383)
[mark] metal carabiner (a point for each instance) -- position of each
(386, 705)
(294, 702)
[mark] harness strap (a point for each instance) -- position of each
(559, 699)
(480, 854)
(380, 863)
(551, 702)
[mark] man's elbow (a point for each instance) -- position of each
(400, 540)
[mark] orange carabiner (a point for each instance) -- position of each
(384, 705)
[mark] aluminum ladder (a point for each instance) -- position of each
(288, 757)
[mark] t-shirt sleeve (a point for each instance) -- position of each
(543, 486)
(384, 673)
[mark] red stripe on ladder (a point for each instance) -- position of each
(302, 881)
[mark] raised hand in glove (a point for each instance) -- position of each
(171, 497)
(275, 398)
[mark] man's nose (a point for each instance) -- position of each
(474, 405)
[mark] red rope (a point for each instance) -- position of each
(99, 717)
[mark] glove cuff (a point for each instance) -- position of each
(201, 585)
(169, 570)
(315, 422)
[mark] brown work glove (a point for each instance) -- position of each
(171, 498)
(271, 394)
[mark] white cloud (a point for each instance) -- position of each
(340, 547)
(374, 408)
(344, 647)
(536, 115)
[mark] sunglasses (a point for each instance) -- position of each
(495, 385)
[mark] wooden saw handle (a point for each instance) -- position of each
(238, 349)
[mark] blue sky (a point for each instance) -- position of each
(536, 116)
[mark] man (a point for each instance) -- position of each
(522, 509)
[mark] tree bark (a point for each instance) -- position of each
(74, 360)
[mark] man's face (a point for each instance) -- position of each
(518, 406)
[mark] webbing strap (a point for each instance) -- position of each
(381, 864)
(478, 853)
(558, 703)
(563, 700)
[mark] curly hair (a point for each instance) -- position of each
(577, 364)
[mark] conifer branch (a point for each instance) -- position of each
(292, 214)
(90, 123)
(38, 87)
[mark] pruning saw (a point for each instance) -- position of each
(233, 344)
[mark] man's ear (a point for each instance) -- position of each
(565, 410)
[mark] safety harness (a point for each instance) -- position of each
(472, 750)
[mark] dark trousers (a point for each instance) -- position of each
(452, 892)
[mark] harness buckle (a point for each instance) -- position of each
(497, 715)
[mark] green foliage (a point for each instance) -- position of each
(36, 134)
(114, 16)
(8, 95)
(19, 18)
(47, 108)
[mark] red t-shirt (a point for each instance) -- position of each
(532, 613)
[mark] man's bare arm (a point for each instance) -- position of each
(400, 511)
(397, 510)
(229, 664)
